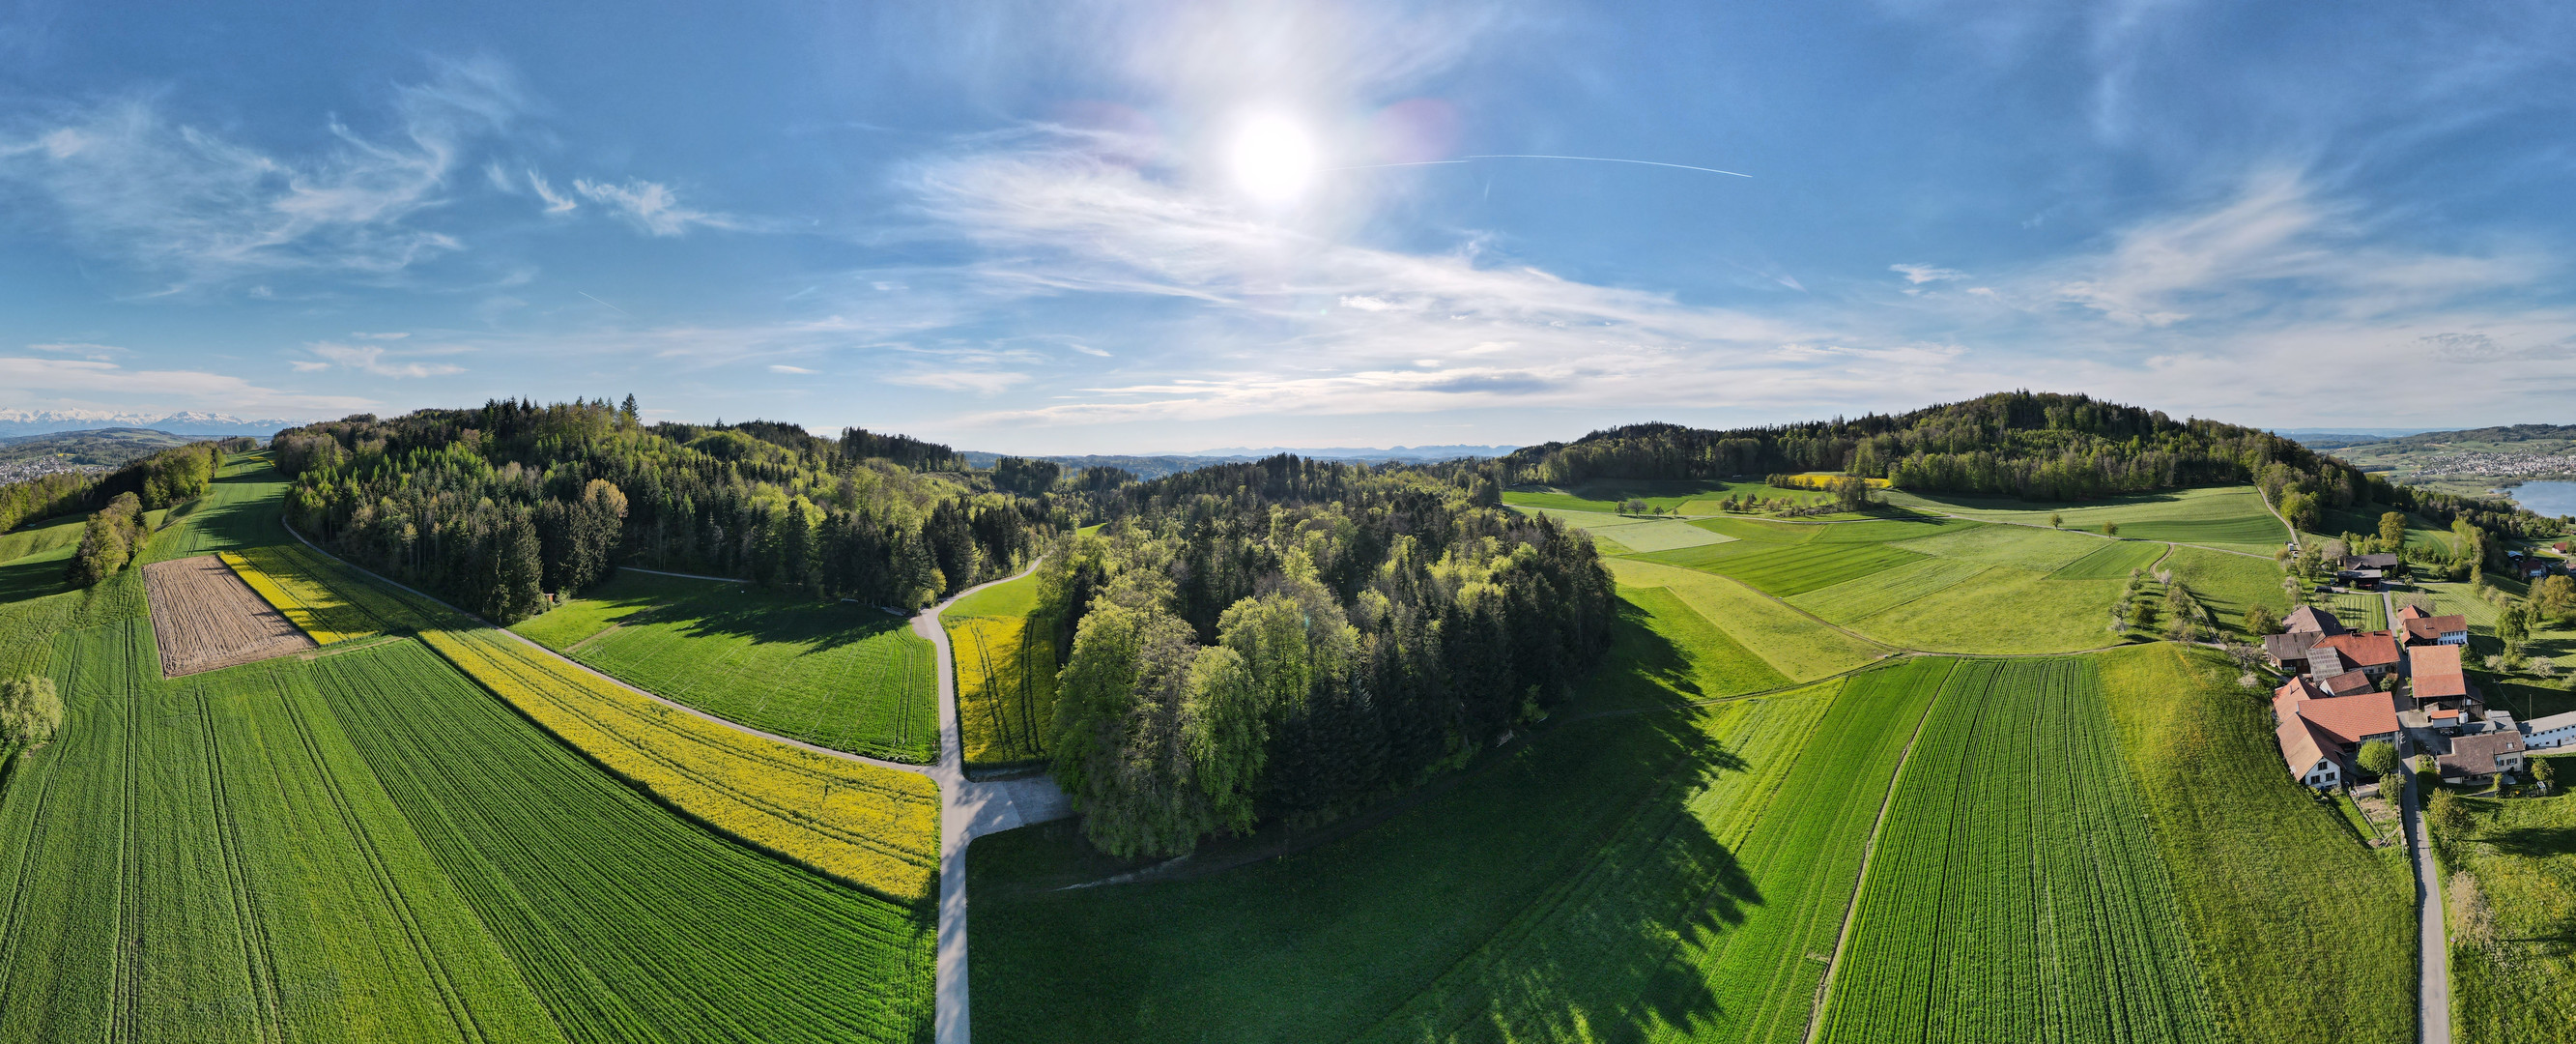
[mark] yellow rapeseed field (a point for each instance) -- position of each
(284, 582)
(1005, 688)
(873, 827)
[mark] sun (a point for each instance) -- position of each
(1273, 158)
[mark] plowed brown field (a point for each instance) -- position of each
(204, 617)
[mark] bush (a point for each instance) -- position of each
(30, 710)
(108, 541)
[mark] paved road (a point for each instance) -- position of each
(968, 810)
(2433, 1014)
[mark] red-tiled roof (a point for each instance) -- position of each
(2412, 612)
(2301, 747)
(2432, 628)
(2349, 683)
(2437, 672)
(2362, 649)
(2349, 719)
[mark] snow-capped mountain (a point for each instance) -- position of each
(191, 423)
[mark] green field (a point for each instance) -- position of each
(1864, 595)
(2229, 584)
(849, 677)
(1660, 875)
(366, 846)
(1795, 644)
(2016, 893)
(2512, 911)
(2230, 517)
(2113, 561)
(2277, 953)
(1788, 570)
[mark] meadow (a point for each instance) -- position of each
(366, 845)
(2229, 585)
(2277, 952)
(2016, 893)
(1672, 496)
(2231, 517)
(1674, 869)
(1005, 674)
(835, 674)
(2511, 899)
(1799, 646)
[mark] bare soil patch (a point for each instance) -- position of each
(204, 617)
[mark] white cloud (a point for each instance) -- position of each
(203, 207)
(784, 368)
(1921, 274)
(97, 352)
(194, 387)
(372, 359)
(1089, 350)
(981, 382)
(380, 336)
(651, 207)
(556, 202)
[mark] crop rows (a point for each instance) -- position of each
(281, 575)
(1863, 596)
(2016, 893)
(1794, 570)
(877, 828)
(204, 618)
(629, 922)
(1005, 689)
(2112, 562)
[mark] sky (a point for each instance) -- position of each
(1073, 227)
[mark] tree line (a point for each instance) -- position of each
(163, 479)
(498, 506)
(1291, 639)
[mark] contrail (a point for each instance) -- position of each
(610, 307)
(1608, 159)
(1518, 155)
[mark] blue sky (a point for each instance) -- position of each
(1072, 227)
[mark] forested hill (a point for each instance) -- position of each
(2032, 444)
(496, 506)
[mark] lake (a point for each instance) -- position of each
(2548, 498)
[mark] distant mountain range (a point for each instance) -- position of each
(190, 423)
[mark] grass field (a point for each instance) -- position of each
(1799, 647)
(1864, 595)
(2113, 561)
(1662, 875)
(1005, 673)
(2277, 950)
(840, 675)
(366, 846)
(2231, 517)
(1795, 569)
(2229, 584)
(2359, 610)
(2016, 893)
(34, 557)
(2512, 907)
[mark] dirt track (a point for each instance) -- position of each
(204, 617)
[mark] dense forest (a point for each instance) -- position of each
(2034, 445)
(498, 506)
(1293, 638)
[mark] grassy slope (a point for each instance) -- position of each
(2226, 516)
(844, 676)
(277, 873)
(1796, 646)
(2229, 584)
(1690, 497)
(2314, 947)
(2513, 911)
(1632, 875)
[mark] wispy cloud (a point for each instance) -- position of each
(556, 202)
(784, 368)
(1921, 274)
(375, 359)
(651, 207)
(196, 388)
(132, 182)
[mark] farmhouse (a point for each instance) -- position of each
(2311, 620)
(2423, 628)
(2556, 730)
(2480, 755)
(2530, 568)
(2437, 674)
(2319, 732)
(2384, 561)
(2289, 652)
(2369, 653)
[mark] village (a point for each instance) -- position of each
(2407, 687)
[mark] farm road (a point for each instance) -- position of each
(2433, 1008)
(967, 809)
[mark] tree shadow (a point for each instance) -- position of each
(34, 576)
(767, 618)
(1570, 884)
(2535, 842)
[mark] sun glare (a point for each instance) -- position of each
(1273, 158)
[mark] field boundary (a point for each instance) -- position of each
(1834, 966)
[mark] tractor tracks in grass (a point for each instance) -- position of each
(1869, 851)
